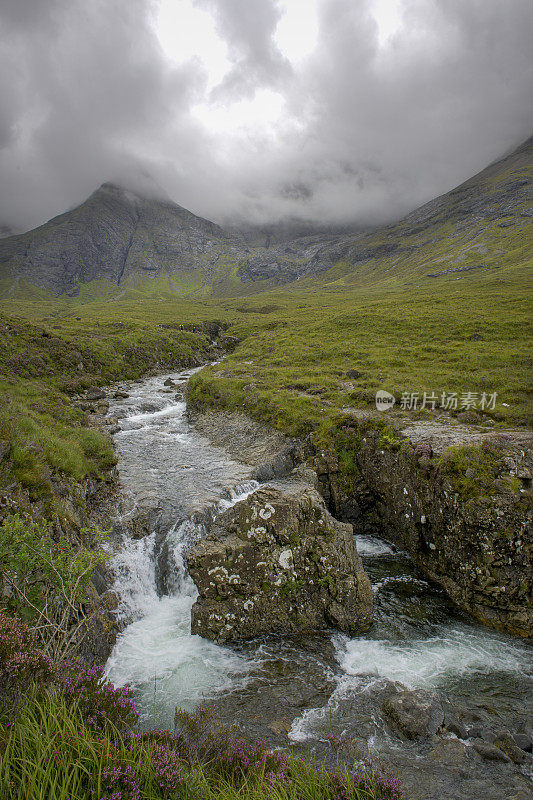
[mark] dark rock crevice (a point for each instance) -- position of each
(127, 252)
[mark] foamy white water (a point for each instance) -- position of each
(372, 546)
(420, 663)
(156, 653)
(134, 569)
(432, 662)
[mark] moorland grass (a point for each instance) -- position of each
(49, 752)
(41, 366)
(308, 350)
(291, 369)
(67, 733)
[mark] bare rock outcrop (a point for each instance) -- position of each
(278, 562)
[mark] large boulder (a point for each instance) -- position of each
(278, 562)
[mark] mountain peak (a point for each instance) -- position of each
(128, 231)
(122, 232)
(141, 186)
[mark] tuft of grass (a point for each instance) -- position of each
(471, 470)
(46, 436)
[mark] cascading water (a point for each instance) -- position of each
(322, 684)
(156, 652)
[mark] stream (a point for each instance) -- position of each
(296, 692)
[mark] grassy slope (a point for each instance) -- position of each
(392, 320)
(50, 748)
(298, 344)
(291, 368)
(484, 224)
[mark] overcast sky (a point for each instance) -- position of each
(334, 111)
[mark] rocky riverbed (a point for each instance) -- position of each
(440, 698)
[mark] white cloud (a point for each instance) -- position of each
(186, 32)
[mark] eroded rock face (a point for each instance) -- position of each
(115, 235)
(478, 548)
(278, 562)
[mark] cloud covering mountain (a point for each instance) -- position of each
(361, 126)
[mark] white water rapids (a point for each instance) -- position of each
(166, 465)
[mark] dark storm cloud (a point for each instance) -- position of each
(387, 129)
(367, 132)
(85, 96)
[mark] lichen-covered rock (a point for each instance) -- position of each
(458, 500)
(278, 562)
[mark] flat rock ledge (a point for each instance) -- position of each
(278, 562)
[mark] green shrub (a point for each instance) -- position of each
(48, 579)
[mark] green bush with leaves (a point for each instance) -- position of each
(47, 581)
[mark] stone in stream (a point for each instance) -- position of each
(415, 714)
(505, 742)
(278, 562)
(455, 726)
(95, 393)
(523, 741)
(489, 751)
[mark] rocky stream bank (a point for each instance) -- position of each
(463, 743)
(458, 499)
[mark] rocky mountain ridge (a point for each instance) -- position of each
(115, 235)
(123, 238)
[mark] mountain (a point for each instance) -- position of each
(474, 226)
(116, 235)
(124, 239)
(270, 235)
